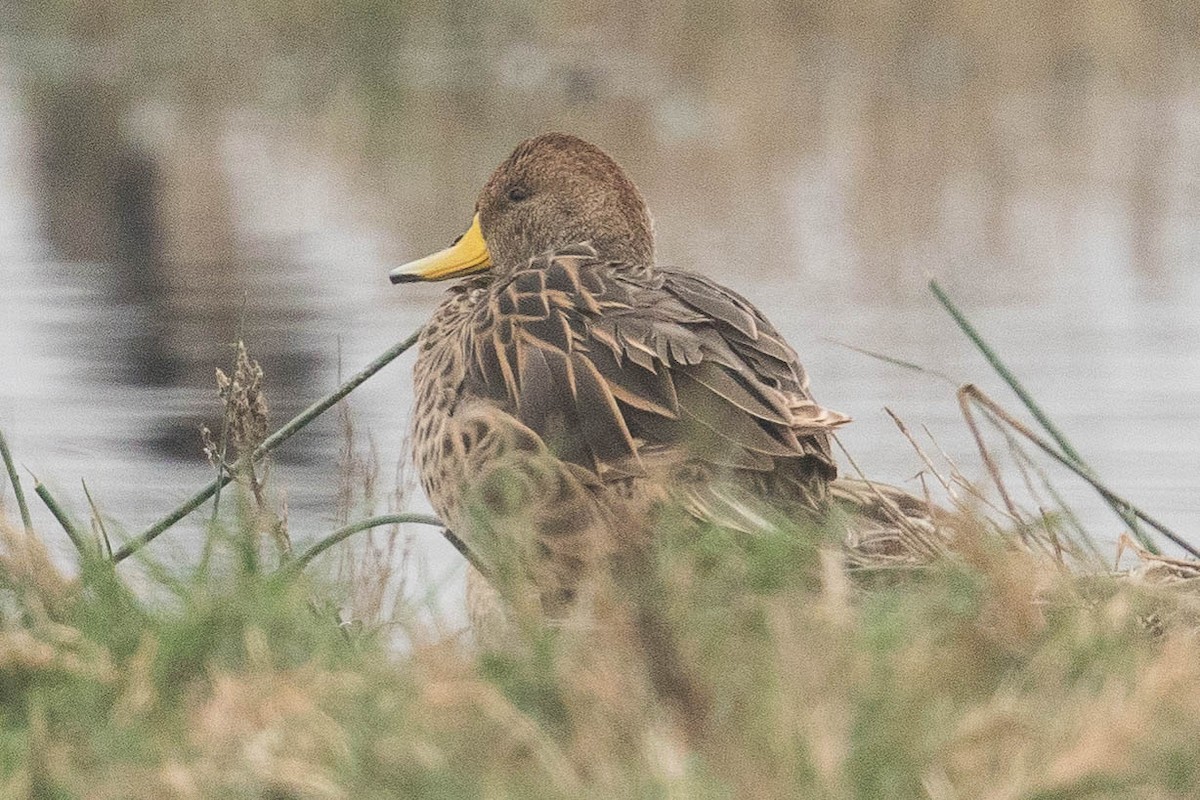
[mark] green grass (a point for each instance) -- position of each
(992, 673)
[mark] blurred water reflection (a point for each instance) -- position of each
(168, 181)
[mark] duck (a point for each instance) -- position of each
(568, 388)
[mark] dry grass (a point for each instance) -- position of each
(990, 672)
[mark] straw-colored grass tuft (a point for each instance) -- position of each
(756, 665)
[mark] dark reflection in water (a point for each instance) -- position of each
(99, 198)
(169, 180)
(182, 293)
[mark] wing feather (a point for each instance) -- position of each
(745, 394)
(604, 361)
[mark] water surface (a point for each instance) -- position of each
(158, 200)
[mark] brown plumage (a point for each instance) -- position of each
(571, 386)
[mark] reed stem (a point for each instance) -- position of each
(63, 520)
(270, 443)
(1113, 499)
(1082, 467)
(343, 533)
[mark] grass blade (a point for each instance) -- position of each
(15, 480)
(99, 521)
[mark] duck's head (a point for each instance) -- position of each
(554, 190)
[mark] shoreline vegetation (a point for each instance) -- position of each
(999, 657)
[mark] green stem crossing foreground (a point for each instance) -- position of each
(341, 534)
(1122, 508)
(270, 443)
(1004, 373)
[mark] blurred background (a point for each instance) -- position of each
(179, 174)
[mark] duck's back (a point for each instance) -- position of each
(620, 370)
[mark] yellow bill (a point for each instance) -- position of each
(469, 254)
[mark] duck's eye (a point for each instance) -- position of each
(517, 194)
